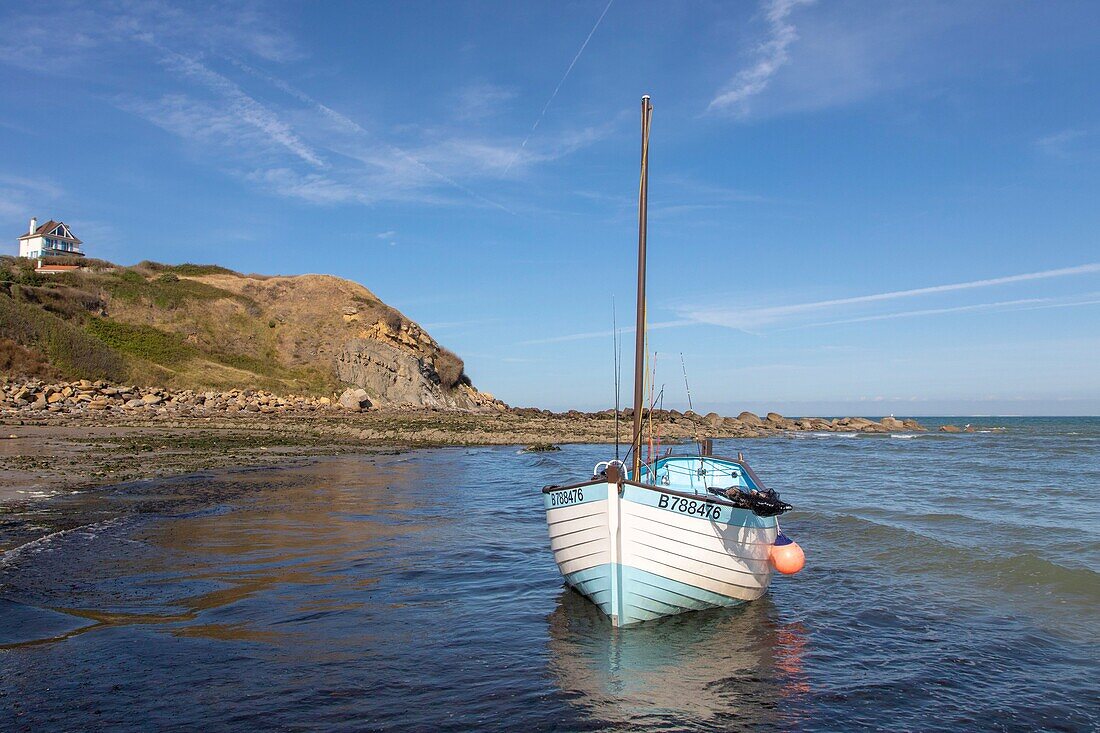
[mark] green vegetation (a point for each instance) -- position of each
(13, 270)
(163, 292)
(187, 269)
(144, 342)
(70, 349)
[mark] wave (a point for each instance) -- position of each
(923, 551)
(41, 543)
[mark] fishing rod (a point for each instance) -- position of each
(686, 385)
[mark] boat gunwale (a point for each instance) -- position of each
(551, 488)
(709, 498)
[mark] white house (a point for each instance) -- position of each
(52, 239)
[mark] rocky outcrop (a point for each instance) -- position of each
(355, 399)
(80, 397)
(750, 419)
(204, 327)
(774, 419)
(70, 398)
(393, 376)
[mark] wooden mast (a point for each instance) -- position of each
(639, 332)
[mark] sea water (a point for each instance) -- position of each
(952, 582)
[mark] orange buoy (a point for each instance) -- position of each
(787, 557)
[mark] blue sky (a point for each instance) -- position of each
(856, 207)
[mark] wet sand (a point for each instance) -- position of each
(42, 454)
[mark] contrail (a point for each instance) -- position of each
(736, 318)
(558, 87)
(742, 320)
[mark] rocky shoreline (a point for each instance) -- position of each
(34, 398)
(63, 436)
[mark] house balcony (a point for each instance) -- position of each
(57, 251)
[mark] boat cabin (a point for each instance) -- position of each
(698, 474)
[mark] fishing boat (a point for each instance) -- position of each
(673, 533)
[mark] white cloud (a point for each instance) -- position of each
(22, 197)
(389, 234)
(771, 54)
(293, 146)
(29, 39)
(479, 101)
(242, 108)
(314, 188)
(1060, 144)
(608, 334)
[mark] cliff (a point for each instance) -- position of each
(206, 327)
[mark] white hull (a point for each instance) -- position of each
(651, 551)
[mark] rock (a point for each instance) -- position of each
(541, 448)
(398, 376)
(152, 399)
(950, 429)
(892, 423)
(750, 419)
(774, 419)
(714, 420)
(355, 399)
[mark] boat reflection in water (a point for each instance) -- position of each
(735, 667)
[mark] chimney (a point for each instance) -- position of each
(34, 224)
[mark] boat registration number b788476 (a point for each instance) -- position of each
(687, 506)
(565, 498)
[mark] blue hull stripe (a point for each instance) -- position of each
(646, 595)
(570, 497)
(594, 584)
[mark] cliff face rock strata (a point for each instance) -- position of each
(394, 376)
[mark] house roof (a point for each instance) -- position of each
(49, 226)
(57, 268)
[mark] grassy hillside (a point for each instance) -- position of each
(193, 326)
